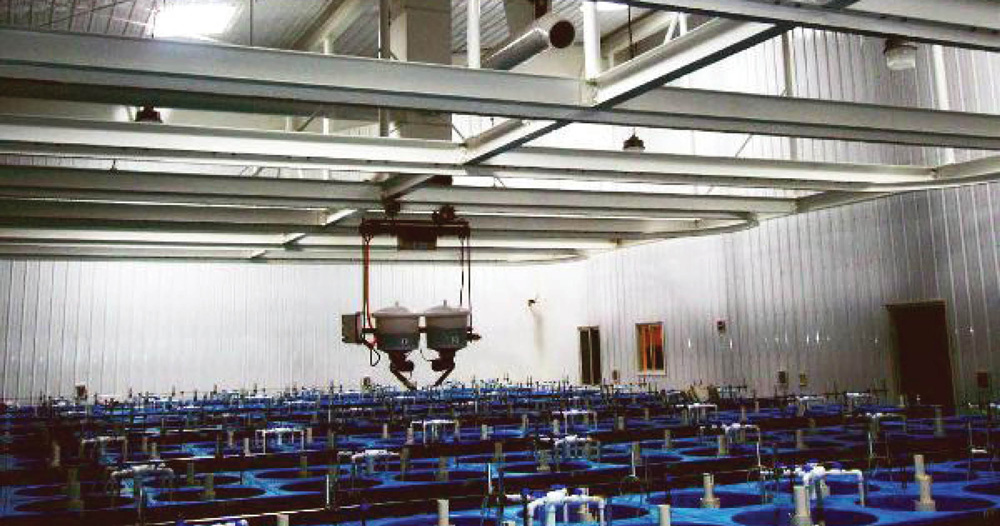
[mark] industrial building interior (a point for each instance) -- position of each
(499, 262)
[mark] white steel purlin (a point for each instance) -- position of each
(196, 75)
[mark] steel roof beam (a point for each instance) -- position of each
(267, 75)
(96, 185)
(53, 136)
(971, 24)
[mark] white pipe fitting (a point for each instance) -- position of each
(926, 502)
(709, 500)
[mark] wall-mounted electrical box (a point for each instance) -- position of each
(720, 326)
(350, 328)
(783, 378)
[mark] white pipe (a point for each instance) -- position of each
(918, 465)
(443, 513)
(926, 502)
(803, 516)
(664, 514)
(591, 41)
(938, 422)
(941, 93)
(474, 48)
(709, 500)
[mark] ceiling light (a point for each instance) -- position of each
(634, 144)
(148, 114)
(193, 20)
(900, 55)
(610, 6)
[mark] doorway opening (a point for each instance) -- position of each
(590, 356)
(922, 352)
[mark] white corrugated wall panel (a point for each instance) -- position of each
(155, 326)
(807, 293)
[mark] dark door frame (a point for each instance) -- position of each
(597, 377)
(896, 371)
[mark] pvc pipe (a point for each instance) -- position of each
(472, 35)
(484, 432)
(667, 440)
(800, 440)
(555, 427)
(303, 466)
(926, 502)
(722, 449)
(550, 515)
(524, 424)
(56, 455)
(409, 435)
(918, 465)
(442, 512)
(803, 516)
(246, 446)
(442, 473)
(709, 500)
(664, 510)
(938, 422)
(281, 520)
(309, 435)
(385, 431)
(941, 93)
(208, 488)
(591, 41)
(153, 453)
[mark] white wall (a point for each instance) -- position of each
(155, 325)
(807, 293)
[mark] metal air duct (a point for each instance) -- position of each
(547, 32)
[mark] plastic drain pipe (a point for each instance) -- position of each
(800, 440)
(56, 459)
(938, 422)
(664, 510)
(555, 499)
(722, 445)
(709, 500)
(443, 514)
(802, 517)
(668, 442)
(918, 466)
(926, 502)
(743, 428)
(73, 490)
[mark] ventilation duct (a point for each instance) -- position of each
(548, 32)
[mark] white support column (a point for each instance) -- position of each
(473, 42)
(941, 94)
(591, 40)
(789, 70)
